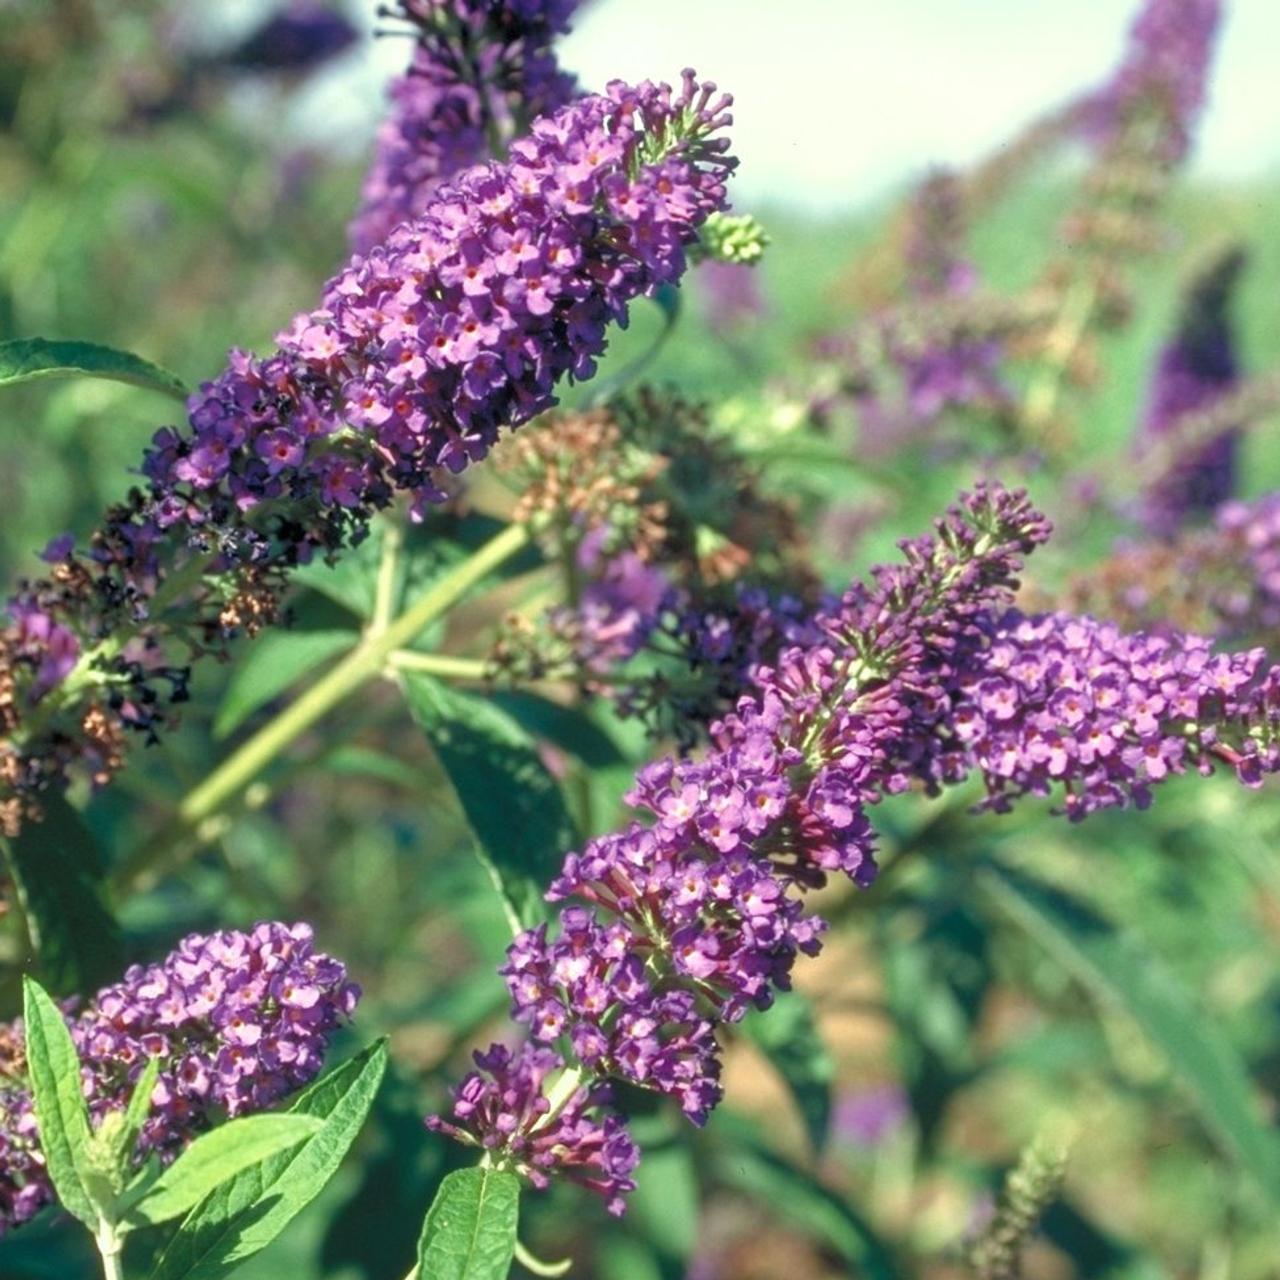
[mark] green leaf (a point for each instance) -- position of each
(245, 1214)
(26, 359)
(796, 1196)
(275, 662)
(215, 1157)
(56, 869)
(788, 1036)
(1120, 974)
(61, 1113)
(470, 1229)
(511, 801)
(569, 728)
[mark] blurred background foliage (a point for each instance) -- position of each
(149, 200)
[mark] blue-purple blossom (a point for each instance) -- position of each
(1195, 369)
(1065, 705)
(297, 37)
(903, 376)
(463, 322)
(502, 1108)
(238, 1020)
(481, 71)
(1162, 78)
(693, 912)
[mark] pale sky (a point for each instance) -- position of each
(839, 100)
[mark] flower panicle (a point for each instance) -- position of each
(238, 1020)
(464, 322)
(480, 73)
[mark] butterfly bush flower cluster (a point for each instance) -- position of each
(904, 370)
(1163, 76)
(481, 72)
(1222, 581)
(1060, 704)
(654, 514)
(1195, 370)
(502, 1108)
(238, 1021)
(692, 915)
(463, 322)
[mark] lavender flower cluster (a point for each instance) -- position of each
(693, 914)
(462, 322)
(902, 371)
(502, 1108)
(1162, 76)
(1058, 701)
(481, 72)
(1195, 370)
(238, 1021)
(1222, 581)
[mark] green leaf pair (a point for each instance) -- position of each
(240, 1184)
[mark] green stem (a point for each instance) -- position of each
(441, 664)
(367, 660)
(110, 1247)
(384, 594)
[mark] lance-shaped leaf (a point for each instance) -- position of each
(1120, 974)
(511, 801)
(246, 1213)
(26, 359)
(470, 1229)
(61, 1114)
(215, 1157)
(56, 869)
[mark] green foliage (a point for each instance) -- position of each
(56, 868)
(1197, 1052)
(470, 1230)
(215, 1157)
(512, 802)
(279, 660)
(244, 1214)
(29, 359)
(790, 1038)
(61, 1113)
(796, 1196)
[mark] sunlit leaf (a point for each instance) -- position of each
(470, 1229)
(245, 1214)
(61, 1113)
(216, 1156)
(27, 359)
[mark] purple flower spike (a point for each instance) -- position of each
(462, 323)
(238, 1020)
(1163, 74)
(481, 71)
(502, 1109)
